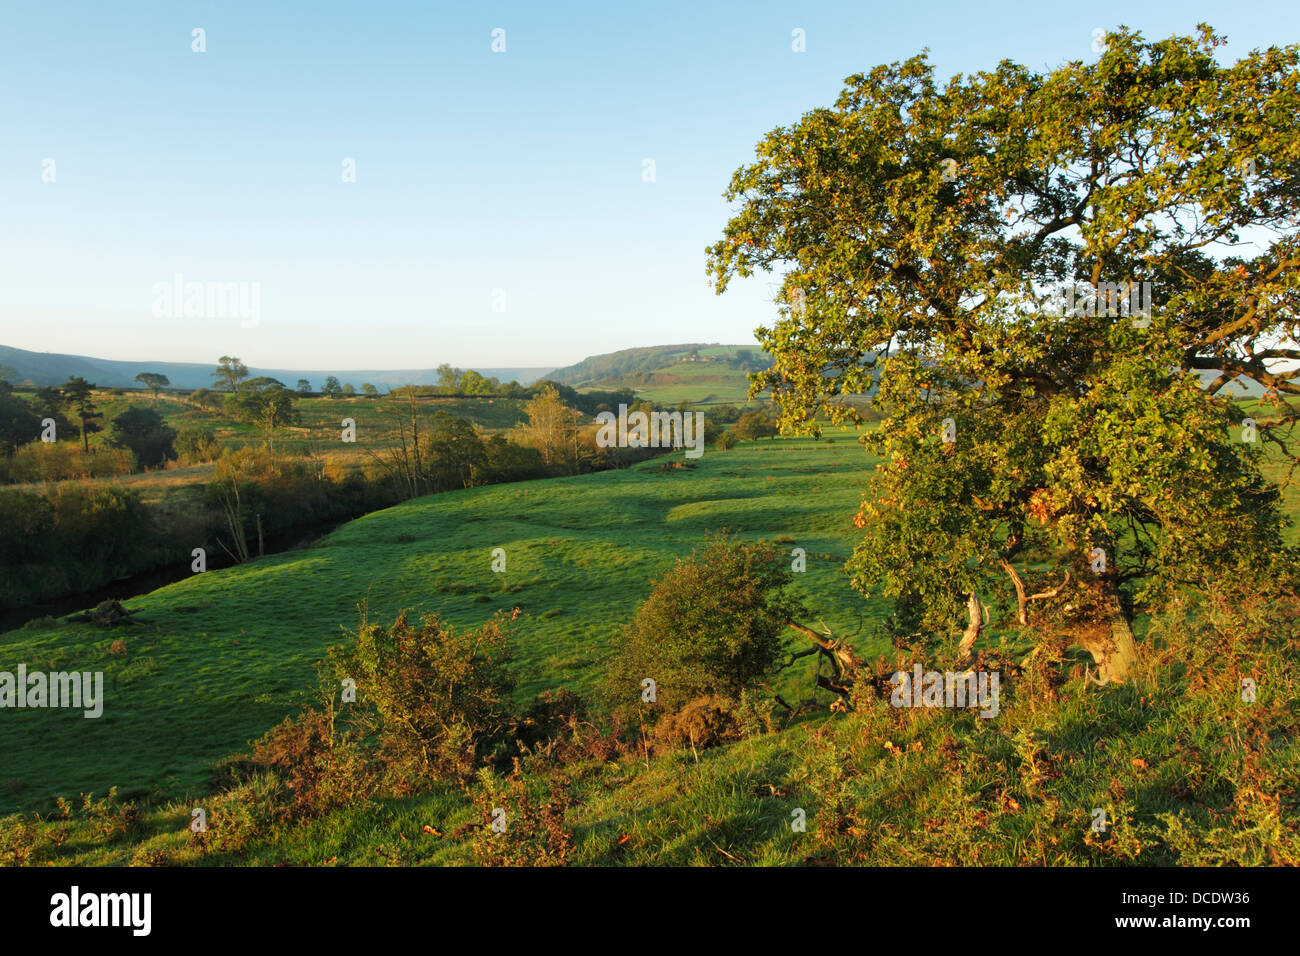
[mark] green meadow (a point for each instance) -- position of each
(217, 659)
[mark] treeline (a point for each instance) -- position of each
(39, 435)
(438, 452)
(73, 537)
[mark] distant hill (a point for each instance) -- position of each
(52, 368)
(622, 368)
(695, 372)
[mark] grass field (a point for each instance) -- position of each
(1187, 772)
(695, 382)
(319, 429)
(219, 658)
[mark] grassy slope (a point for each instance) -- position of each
(1185, 770)
(222, 656)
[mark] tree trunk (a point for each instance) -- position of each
(1112, 644)
(974, 628)
(1022, 613)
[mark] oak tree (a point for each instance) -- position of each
(1049, 280)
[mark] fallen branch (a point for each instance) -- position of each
(844, 665)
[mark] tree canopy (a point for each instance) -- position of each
(229, 373)
(1051, 278)
(154, 381)
(263, 401)
(78, 395)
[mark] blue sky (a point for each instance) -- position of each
(475, 171)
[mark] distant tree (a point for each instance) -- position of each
(349, 390)
(49, 402)
(454, 456)
(472, 383)
(369, 391)
(145, 432)
(206, 398)
(331, 388)
(753, 425)
(552, 429)
(19, 424)
(230, 372)
(153, 381)
(304, 386)
(401, 459)
(448, 378)
(263, 401)
(48, 399)
(508, 461)
(78, 394)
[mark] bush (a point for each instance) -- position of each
(318, 772)
(60, 461)
(195, 444)
(435, 700)
(532, 831)
(54, 542)
(714, 624)
(208, 399)
(704, 722)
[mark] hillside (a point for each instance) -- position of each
(52, 368)
(671, 373)
(220, 657)
(1186, 771)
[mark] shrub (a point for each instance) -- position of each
(71, 534)
(557, 726)
(434, 699)
(105, 527)
(195, 444)
(60, 461)
(318, 772)
(704, 722)
(533, 831)
(714, 624)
